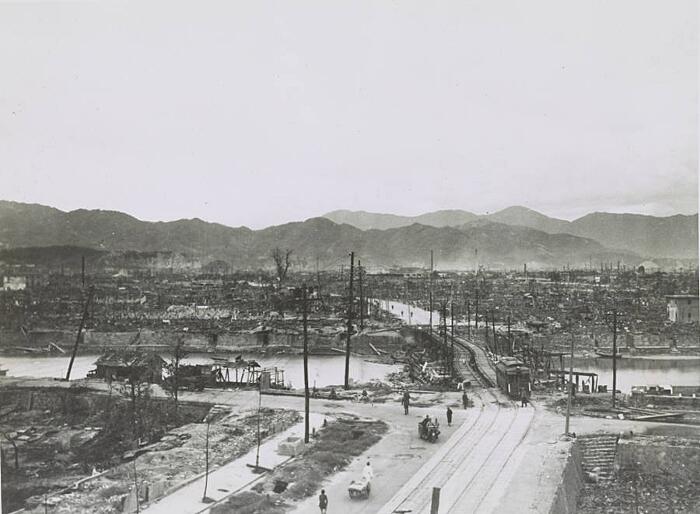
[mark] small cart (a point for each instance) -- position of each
(359, 488)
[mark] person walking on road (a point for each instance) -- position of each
(323, 501)
(465, 399)
(405, 401)
(449, 417)
(368, 472)
(523, 397)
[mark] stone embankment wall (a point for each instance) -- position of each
(567, 493)
(658, 454)
(97, 342)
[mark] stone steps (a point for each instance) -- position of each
(598, 462)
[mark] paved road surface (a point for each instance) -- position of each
(469, 465)
(473, 466)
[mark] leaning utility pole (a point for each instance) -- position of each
(91, 292)
(350, 313)
(305, 318)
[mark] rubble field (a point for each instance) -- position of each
(172, 461)
(75, 449)
(641, 493)
(53, 438)
(652, 474)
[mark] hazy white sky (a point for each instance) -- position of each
(257, 113)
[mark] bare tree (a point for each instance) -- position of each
(173, 383)
(282, 260)
(136, 388)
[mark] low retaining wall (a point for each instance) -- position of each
(567, 493)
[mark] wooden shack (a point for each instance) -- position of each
(146, 366)
(513, 377)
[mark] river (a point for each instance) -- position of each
(324, 370)
(661, 370)
(658, 370)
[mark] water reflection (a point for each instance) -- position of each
(323, 370)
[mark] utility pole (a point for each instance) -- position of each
(362, 314)
(510, 342)
(445, 349)
(430, 294)
(407, 300)
(452, 334)
(305, 318)
(257, 452)
(136, 489)
(206, 464)
(571, 382)
(493, 326)
(350, 313)
(91, 292)
(614, 355)
(469, 322)
(476, 313)
(486, 334)
(318, 282)
(82, 270)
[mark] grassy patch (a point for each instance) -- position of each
(251, 503)
(334, 448)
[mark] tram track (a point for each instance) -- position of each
(469, 467)
(417, 490)
(472, 494)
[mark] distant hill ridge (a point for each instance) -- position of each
(469, 241)
(665, 237)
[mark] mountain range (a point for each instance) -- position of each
(649, 236)
(460, 240)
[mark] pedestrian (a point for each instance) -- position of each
(323, 501)
(405, 401)
(465, 399)
(367, 472)
(523, 397)
(449, 417)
